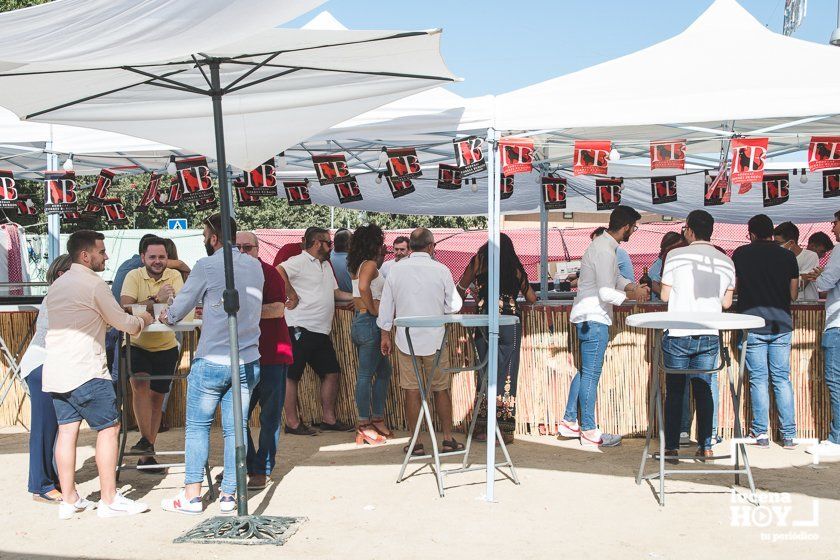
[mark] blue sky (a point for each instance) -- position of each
(497, 48)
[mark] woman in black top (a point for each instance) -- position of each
(513, 281)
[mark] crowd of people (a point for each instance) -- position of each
(286, 316)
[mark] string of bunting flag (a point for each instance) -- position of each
(190, 180)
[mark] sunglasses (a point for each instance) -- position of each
(245, 247)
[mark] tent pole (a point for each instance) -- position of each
(53, 220)
(231, 296)
(543, 253)
(492, 309)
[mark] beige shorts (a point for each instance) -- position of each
(408, 379)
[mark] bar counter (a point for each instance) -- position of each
(547, 367)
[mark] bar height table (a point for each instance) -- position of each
(446, 321)
(126, 373)
(660, 322)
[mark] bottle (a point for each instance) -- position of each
(645, 279)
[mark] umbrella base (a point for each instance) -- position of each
(248, 530)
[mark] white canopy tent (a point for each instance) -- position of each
(258, 90)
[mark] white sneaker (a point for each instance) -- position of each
(685, 439)
(227, 504)
(568, 429)
(599, 439)
(825, 448)
(120, 507)
(180, 504)
(67, 511)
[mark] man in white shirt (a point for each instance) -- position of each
(401, 251)
(420, 286)
(600, 286)
(828, 280)
(312, 291)
(695, 279)
(786, 234)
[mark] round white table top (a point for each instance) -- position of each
(663, 320)
(177, 327)
(466, 320)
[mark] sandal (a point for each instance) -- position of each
(417, 451)
(388, 434)
(451, 445)
(363, 435)
(45, 498)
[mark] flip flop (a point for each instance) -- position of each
(46, 499)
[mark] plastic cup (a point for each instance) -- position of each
(137, 309)
(159, 307)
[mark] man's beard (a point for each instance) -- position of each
(209, 248)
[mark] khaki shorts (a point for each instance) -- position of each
(408, 379)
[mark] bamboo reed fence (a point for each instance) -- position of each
(548, 363)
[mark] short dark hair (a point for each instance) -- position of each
(341, 240)
(701, 223)
(837, 214)
(622, 216)
(670, 238)
(149, 240)
(821, 238)
(311, 234)
(142, 239)
(761, 226)
(787, 231)
(214, 222)
(597, 231)
(82, 240)
(400, 239)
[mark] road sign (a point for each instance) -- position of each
(176, 223)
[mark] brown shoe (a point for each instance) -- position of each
(671, 456)
(704, 454)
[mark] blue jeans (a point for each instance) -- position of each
(768, 355)
(689, 352)
(685, 424)
(374, 368)
(593, 338)
(207, 385)
(270, 393)
(831, 348)
(43, 429)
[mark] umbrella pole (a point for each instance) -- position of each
(243, 528)
(231, 296)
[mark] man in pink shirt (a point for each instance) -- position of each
(80, 306)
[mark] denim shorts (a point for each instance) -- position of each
(94, 401)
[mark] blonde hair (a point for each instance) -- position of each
(58, 267)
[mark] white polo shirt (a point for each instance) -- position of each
(699, 276)
(315, 285)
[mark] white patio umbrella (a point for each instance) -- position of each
(148, 68)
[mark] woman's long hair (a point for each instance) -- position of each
(59, 266)
(365, 246)
(509, 264)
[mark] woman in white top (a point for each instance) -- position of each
(367, 249)
(43, 426)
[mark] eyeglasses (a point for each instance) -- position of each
(683, 229)
(245, 247)
(327, 241)
(209, 224)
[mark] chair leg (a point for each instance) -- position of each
(661, 426)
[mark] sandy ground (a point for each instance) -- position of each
(570, 503)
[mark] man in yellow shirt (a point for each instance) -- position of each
(152, 354)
